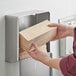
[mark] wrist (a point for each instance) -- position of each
(47, 61)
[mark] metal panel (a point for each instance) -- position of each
(31, 67)
(12, 37)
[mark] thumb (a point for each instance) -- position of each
(34, 45)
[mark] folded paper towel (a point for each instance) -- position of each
(39, 34)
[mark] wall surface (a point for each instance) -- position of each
(57, 8)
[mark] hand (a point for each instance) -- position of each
(39, 55)
(62, 30)
(35, 53)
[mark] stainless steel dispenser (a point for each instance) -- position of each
(14, 24)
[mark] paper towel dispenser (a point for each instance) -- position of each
(17, 22)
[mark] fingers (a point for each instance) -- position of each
(33, 51)
(33, 47)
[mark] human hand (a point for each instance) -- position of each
(39, 55)
(62, 30)
(43, 57)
